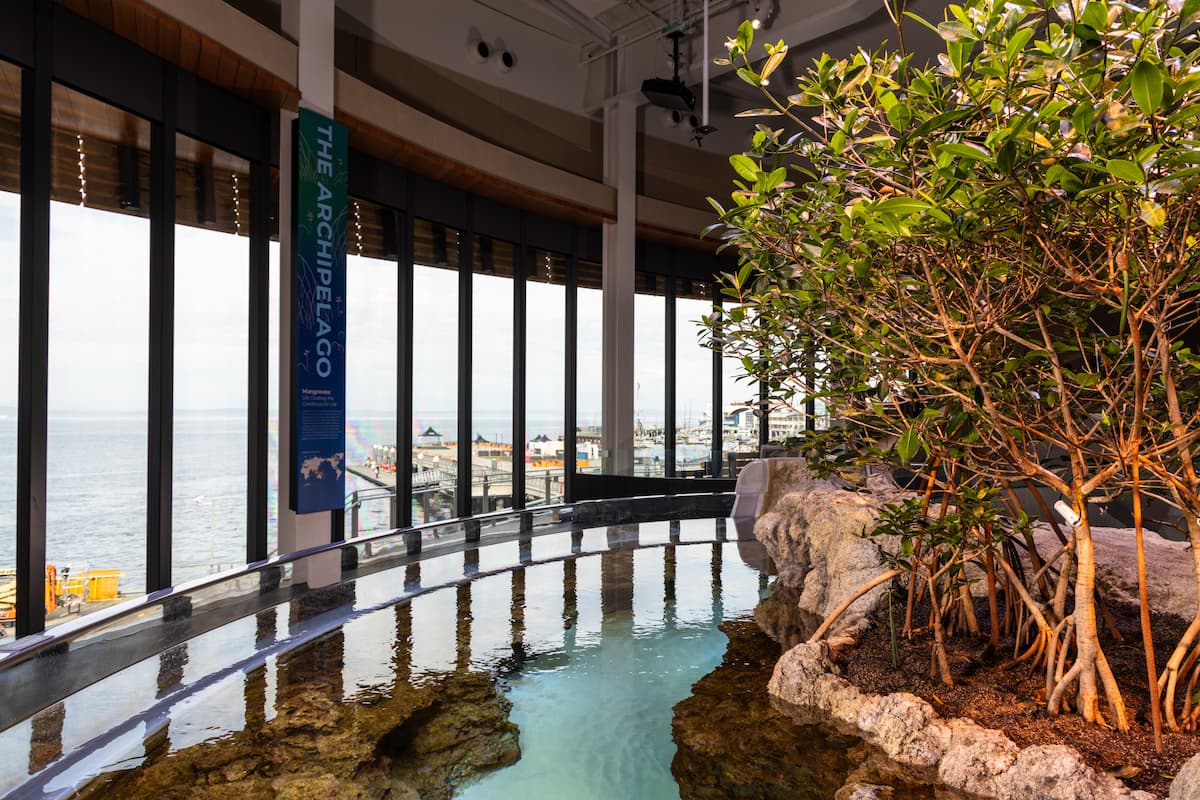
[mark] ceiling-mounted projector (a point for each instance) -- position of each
(670, 92)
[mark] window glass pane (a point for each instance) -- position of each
(435, 370)
(273, 403)
(588, 365)
(545, 362)
(212, 267)
(492, 375)
(273, 372)
(740, 396)
(98, 354)
(10, 276)
(371, 319)
(693, 379)
(649, 373)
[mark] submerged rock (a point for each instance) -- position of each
(411, 742)
(733, 744)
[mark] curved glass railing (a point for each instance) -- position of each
(110, 674)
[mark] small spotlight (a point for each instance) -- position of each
(479, 51)
(761, 13)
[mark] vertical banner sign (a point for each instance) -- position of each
(319, 167)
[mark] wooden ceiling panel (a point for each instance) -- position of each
(164, 36)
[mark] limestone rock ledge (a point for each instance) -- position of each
(921, 747)
(818, 539)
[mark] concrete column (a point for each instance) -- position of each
(310, 23)
(620, 238)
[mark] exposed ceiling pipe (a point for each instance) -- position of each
(649, 11)
(582, 21)
(690, 19)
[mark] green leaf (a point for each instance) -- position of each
(899, 116)
(1152, 214)
(956, 31)
(749, 76)
(909, 444)
(745, 35)
(760, 112)
(744, 166)
(1017, 43)
(973, 152)
(1124, 170)
(773, 63)
(776, 177)
(1147, 85)
(902, 205)
(1094, 16)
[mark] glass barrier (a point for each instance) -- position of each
(82, 697)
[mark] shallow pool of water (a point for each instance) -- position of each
(541, 667)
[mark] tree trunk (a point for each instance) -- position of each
(1090, 670)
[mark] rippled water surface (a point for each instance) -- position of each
(595, 714)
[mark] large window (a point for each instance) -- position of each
(649, 374)
(10, 276)
(371, 320)
(739, 393)
(492, 374)
(435, 370)
(98, 348)
(589, 361)
(545, 363)
(212, 263)
(693, 379)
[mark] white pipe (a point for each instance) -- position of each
(683, 23)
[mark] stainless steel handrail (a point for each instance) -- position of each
(25, 648)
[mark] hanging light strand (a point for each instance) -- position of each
(237, 204)
(358, 239)
(82, 169)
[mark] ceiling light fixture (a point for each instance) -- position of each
(761, 13)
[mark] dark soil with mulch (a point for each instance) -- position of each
(996, 694)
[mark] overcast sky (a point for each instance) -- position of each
(99, 290)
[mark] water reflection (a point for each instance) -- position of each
(330, 655)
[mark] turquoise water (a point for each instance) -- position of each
(601, 727)
(595, 714)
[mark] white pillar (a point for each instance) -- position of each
(620, 238)
(310, 23)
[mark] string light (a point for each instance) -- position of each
(82, 169)
(357, 230)
(237, 207)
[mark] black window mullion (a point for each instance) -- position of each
(258, 357)
(520, 267)
(570, 377)
(162, 341)
(402, 508)
(466, 263)
(718, 415)
(669, 399)
(764, 414)
(34, 329)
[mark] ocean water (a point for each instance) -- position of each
(96, 486)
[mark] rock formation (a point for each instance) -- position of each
(816, 535)
(415, 742)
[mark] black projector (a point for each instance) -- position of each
(669, 93)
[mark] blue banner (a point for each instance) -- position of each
(319, 161)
